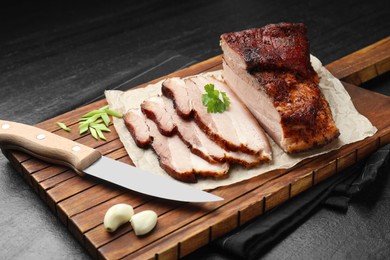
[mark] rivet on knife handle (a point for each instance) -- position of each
(46, 146)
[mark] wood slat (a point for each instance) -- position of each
(80, 203)
(92, 217)
(251, 199)
(364, 64)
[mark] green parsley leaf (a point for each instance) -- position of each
(214, 100)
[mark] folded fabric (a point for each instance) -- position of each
(375, 165)
(249, 241)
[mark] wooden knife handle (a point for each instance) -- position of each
(46, 146)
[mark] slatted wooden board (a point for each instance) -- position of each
(80, 203)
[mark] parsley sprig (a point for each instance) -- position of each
(95, 121)
(214, 100)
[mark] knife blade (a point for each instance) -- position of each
(85, 160)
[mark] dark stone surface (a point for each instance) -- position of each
(57, 56)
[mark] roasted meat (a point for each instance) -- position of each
(135, 123)
(162, 112)
(269, 69)
(174, 155)
(235, 129)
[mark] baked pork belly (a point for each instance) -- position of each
(135, 123)
(235, 129)
(174, 155)
(155, 109)
(161, 110)
(269, 69)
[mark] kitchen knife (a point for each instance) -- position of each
(85, 160)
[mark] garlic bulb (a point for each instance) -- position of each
(117, 215)
(143, 222)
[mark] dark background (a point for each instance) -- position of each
(57, 56)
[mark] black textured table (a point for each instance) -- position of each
(59, 56)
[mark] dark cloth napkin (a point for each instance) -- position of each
(250, 241)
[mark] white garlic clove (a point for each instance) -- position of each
(117, 215)
(143, 222)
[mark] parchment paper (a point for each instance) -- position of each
(352, 125)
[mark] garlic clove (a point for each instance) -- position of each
(143, 222)
(117, 215)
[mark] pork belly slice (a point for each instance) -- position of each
(235, 129)
(154, 109)
(161, 111)
(284, 98)
(135, 123)
(174, 156)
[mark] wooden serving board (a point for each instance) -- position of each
(80, 203)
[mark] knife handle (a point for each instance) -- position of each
(46, 146)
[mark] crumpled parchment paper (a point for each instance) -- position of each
(352, 125)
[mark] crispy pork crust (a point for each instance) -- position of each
(306, 117)
(282, 46)
(138, 130)
(189, 177)
(147, 109)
